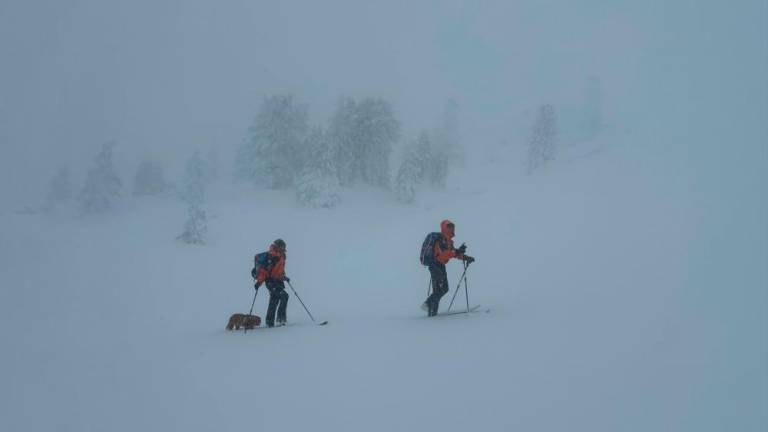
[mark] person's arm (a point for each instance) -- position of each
(261, 276)
(443, 256)
(461, 252)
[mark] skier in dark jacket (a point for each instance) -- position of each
(438, 257)
(272, 273)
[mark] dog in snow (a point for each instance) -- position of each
(248, 322)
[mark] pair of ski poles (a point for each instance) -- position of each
(466, 289)
(294, 293)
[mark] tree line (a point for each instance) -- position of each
(283, 150)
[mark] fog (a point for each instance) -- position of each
(162, 78)
(606, 162)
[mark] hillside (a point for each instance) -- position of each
(603, 276)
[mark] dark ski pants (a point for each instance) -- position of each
(439, 287)
(278, 301)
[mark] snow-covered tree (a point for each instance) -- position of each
(273, 152)
(408, 175)
(446, 138)
(193, 194)
(59, 189)
(363, 134)
(378, 130)
(193, 185)
(196, 226)
(542, 144)
(422, 151)
(421, 163)
(149, 179)
(432, 160)
(341, 134)
(318, 184)
(102, 186)
(246, 168)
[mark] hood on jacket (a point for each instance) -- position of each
(447, 232)
(275, 251)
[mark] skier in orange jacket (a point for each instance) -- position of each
(437, 250)
(270, 270)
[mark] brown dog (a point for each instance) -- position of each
(248, 322)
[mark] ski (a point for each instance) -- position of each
(473, 309)
(304, 324)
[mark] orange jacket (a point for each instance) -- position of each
(275, 269)
(444, 250)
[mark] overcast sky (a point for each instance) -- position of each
(164, 77)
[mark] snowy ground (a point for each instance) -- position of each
(624, 296)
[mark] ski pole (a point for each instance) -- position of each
(462, 278)
(302, 303)
(466, 288)
(245, 328)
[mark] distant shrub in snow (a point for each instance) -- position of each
(102, 186)
(542, 144)
(149, 179)
(318, 184)
(193, 194)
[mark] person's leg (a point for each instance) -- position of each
(439, 288)
(283, 305)
(274, 299)
(431, 297)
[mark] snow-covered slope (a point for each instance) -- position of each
(606, 279)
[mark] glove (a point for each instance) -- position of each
(287, 279)
(462, 249)
(256, 286)
(468, 259)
